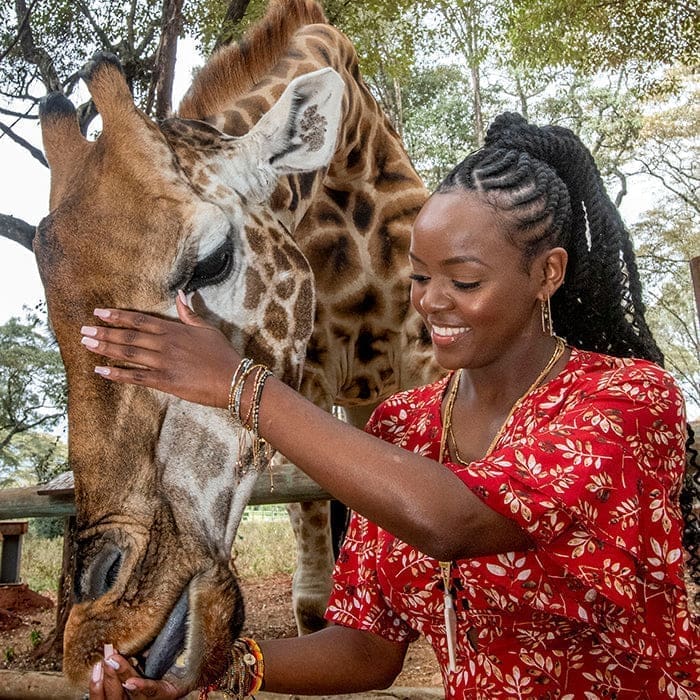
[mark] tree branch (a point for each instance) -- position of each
(234, 14)
(20, 29)
(17, 230)
(38, 57)
(25, 144)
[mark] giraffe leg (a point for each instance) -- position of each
(317, 546)
(312, 578)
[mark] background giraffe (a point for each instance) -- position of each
(366, 342)
(295, 238)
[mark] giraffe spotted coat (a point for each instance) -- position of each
(590, 466)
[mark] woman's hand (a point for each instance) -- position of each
(192, 359)
(115, 679)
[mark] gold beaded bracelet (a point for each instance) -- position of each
(244, 677)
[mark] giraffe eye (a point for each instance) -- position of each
(213, 269)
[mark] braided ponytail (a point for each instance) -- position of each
(548, 182)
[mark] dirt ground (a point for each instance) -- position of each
(269, 615)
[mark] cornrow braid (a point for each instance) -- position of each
(549, 184)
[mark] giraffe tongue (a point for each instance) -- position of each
(169, 643)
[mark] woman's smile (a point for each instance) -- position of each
(447, 335)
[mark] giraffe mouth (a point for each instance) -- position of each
(167, 651)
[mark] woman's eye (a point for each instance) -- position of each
(414, 277)
(213, 269)
(466, 285)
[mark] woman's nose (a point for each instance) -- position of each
(435, 298)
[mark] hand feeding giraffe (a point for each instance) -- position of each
(148, 209)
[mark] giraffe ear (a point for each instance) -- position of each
(298, 133)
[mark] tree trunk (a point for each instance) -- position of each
(161, 89)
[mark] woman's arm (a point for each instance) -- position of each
(331, 661)
(414, 498)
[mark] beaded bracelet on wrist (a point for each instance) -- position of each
(261, 450)
(244, 677)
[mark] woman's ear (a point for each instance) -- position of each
(553, 268)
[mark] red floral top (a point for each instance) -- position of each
(590, 465)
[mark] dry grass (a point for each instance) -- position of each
(264, 548)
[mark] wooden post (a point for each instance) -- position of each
(695, 276)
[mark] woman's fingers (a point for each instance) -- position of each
(123, 345)
(115, 679)
(188, 357)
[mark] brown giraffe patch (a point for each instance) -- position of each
(335, 260)
(276, 321)
(256, 240)
(302, 311)
(285, 289)
(254, 289)
(363, 212)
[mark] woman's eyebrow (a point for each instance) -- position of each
(455, 260)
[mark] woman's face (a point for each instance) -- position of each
(469, 282)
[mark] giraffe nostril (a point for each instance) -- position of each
(96, 575)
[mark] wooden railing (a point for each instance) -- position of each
(55, 498)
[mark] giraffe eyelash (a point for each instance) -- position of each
(213, 269)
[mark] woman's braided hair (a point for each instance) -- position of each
(548, 184)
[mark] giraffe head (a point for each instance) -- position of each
(141, 212)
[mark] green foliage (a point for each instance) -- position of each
(35, 638)
(666, 238)
(32, 403)
(590, 34)
(46, 528)
(437, 121)
(73, 31)
(41, 562)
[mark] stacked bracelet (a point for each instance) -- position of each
(261, 451)
(244, 677)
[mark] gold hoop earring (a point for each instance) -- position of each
(546, 310)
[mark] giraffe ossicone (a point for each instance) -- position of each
(284, 199)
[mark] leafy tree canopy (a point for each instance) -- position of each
(594, 34)
(32, 402)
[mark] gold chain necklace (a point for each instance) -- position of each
(449, 406)
(446, 566)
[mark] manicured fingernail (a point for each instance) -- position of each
(108, 650)
(112, 664)
(186, 299)
(102, 313)
(88, 330)
(89, 342)
(97, 672)
(103, 371)
(129, 685)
